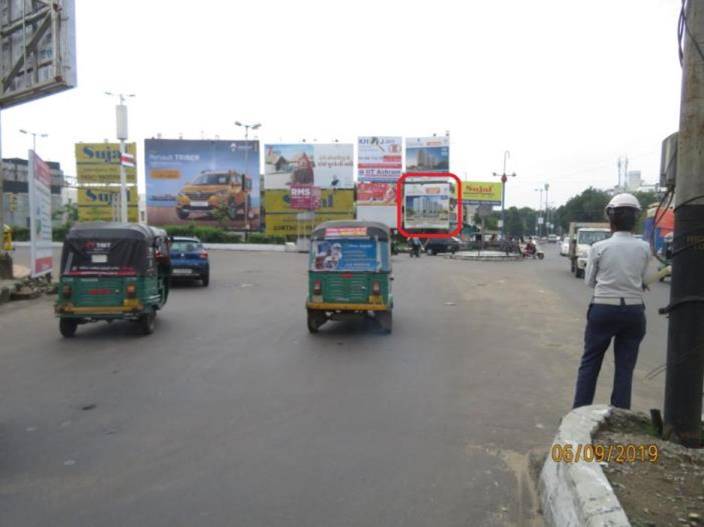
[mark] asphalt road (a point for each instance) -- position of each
(232, 414)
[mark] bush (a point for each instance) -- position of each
(20, 234)
(209, 234)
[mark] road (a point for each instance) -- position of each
(232, 414)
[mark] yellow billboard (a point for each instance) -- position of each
(100, 163)
(100, 204)
(478, 192)
(282, 220)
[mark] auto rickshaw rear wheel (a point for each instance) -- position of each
(67, 327)
(147, 322)
(315, 320)
(385, 320)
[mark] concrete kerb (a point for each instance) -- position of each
(484, 256)
(578, 494)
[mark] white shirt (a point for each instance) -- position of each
(617, 266)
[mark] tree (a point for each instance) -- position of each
(588, 206)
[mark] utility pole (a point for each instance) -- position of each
(504, 178)
(685, 346)
(121, 119)
(547, 210)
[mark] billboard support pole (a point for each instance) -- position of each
(5, 257)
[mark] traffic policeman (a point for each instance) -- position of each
(616, 270)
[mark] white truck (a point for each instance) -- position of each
(582, 237)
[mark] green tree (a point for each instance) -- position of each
(588, 207)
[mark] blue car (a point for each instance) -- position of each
(189, 260)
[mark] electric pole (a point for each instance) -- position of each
(685, 346)
(121, 121)
(504, 178)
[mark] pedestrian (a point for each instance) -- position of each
(616, 270)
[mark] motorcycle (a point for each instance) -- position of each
(415, 251)
(532, 251)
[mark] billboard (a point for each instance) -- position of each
(428, 154)
(320, 165)
(38, 42)
(478, 192)
(100, 163)
(376, 194)
(101, 204)
(379, 158)
(203, 181)
(40, 215)
(427, 206)
(283, 220)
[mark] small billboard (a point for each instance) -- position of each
(428, 154)
(379, 158)
(320, 165)
(41, 252)
(481, 192)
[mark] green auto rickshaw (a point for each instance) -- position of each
(349, 273)
(112, 271)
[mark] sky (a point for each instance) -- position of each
(566, 86)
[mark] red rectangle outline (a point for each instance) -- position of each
(400, 199)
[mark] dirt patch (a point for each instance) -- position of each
(667, 491)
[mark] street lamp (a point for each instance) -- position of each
(34, 137)
(121, 120)
(540, 209)
(547, 210)
(504, 177)
(247, 127)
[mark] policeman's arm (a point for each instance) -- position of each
(592, 268)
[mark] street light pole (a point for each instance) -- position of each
(246, 127)
(547, 210)
(540, 211)
(504, 178)
(34, 137)
(121, 119)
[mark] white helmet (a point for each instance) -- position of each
(624, 200)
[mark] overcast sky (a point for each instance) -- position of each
(567, 86)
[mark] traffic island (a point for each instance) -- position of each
(486, 256)
(606, 466)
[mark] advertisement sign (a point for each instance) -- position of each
(203, 181)
(101, 204)
(478, 192)
(379, 158)
(428, 154)
(379, 194)
(305, 197)
(282, 219)
(325, 166)
(345, 255)
(427, 206)
(100, 163)
(40, 215)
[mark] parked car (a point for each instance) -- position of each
(442, 245)
(189, 260)
(552, 238)
(565, 246)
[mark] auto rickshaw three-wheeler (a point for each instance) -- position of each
(112, 271)
(349, 273)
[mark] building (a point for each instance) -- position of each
(633, 180)
(15, 193)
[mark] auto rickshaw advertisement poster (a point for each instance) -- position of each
(282, 220)
(101, 203)
(100, 163)
(321, 165)
(345, 255)
(207, 182)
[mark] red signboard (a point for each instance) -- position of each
(376, 194)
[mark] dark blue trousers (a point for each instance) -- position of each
(626, 326)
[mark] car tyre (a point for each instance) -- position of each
(68, 327)
(205, 280)
(182, 214)
(579, 273)
(429, 252)
(147, 323)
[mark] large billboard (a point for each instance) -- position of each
(41, 253)
(428, 154)
(427, 206)
(100, 163)
(479, 192)
(207, 182)
(379, 158)
(101, 204)
(320, 165)
(283, 220)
